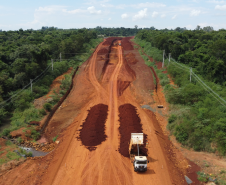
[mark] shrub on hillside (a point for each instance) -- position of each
(47, 106)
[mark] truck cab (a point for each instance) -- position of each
(140, 163)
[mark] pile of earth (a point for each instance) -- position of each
(129, 123)
(126, 44)
(93, 129)
(130, 58)
(110, 40)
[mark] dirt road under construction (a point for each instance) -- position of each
(94, 125)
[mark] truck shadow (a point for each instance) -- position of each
(148, 172)
(151, 160)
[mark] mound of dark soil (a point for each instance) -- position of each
(110, 40)
(126, 44)
(129, 123)
(103, 51)
(93, 129)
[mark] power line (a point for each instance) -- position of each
(209, 88)
(206, 87)
(4, 102)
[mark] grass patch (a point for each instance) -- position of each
(55, 138)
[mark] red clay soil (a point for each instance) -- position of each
(129, 123)
(167, 146)
(126, 44)
(192, 172)
(110, 40)
(103, 51)
(126, 77)
(130, 57)
(159, 66)
(93, 129)
(156, 78)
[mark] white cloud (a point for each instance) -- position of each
(141, 14)
(174, 17)
(49, 9)
(93, 10)
(216, 2)
(218, 7)
(189, 27)
(163, 15)
(74, 11)
(148, 5)
(107, 5)
(91, 2)
(155, 14)
(124, 16)
(109, 19)
(195, 12)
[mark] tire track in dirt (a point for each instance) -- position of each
(113, 88)
(92, 74)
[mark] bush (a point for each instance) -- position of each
(55, 138)
(20, 140)
(47, 106)
(12, 156)
(3, 114)
(24, 152)
(8, 143)
(6, 132)
(172, 118)
(29, 154)
(35, 135)
(203, 177)
(181, 134)
(42, 112)
(66, 82)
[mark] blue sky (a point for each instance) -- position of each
(66, 14)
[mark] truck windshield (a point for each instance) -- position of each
(141, 162)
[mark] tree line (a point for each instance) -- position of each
(202, 49)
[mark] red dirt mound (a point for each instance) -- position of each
(93, 129)
(192, 172)
(129, 123)
(126, 44)
(103, 51)
(110, 40)
(130, 57)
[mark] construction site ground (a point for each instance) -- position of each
(94, 123)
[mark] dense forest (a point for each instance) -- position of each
(202, 49)
(24, 54)
(197, 115)
(119, 31)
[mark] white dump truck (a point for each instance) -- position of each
(136, 147)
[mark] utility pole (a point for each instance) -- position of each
(163, 59)
(52, 64)
(169, 58)
(60, 57)
(190, 73)
(31, 84)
